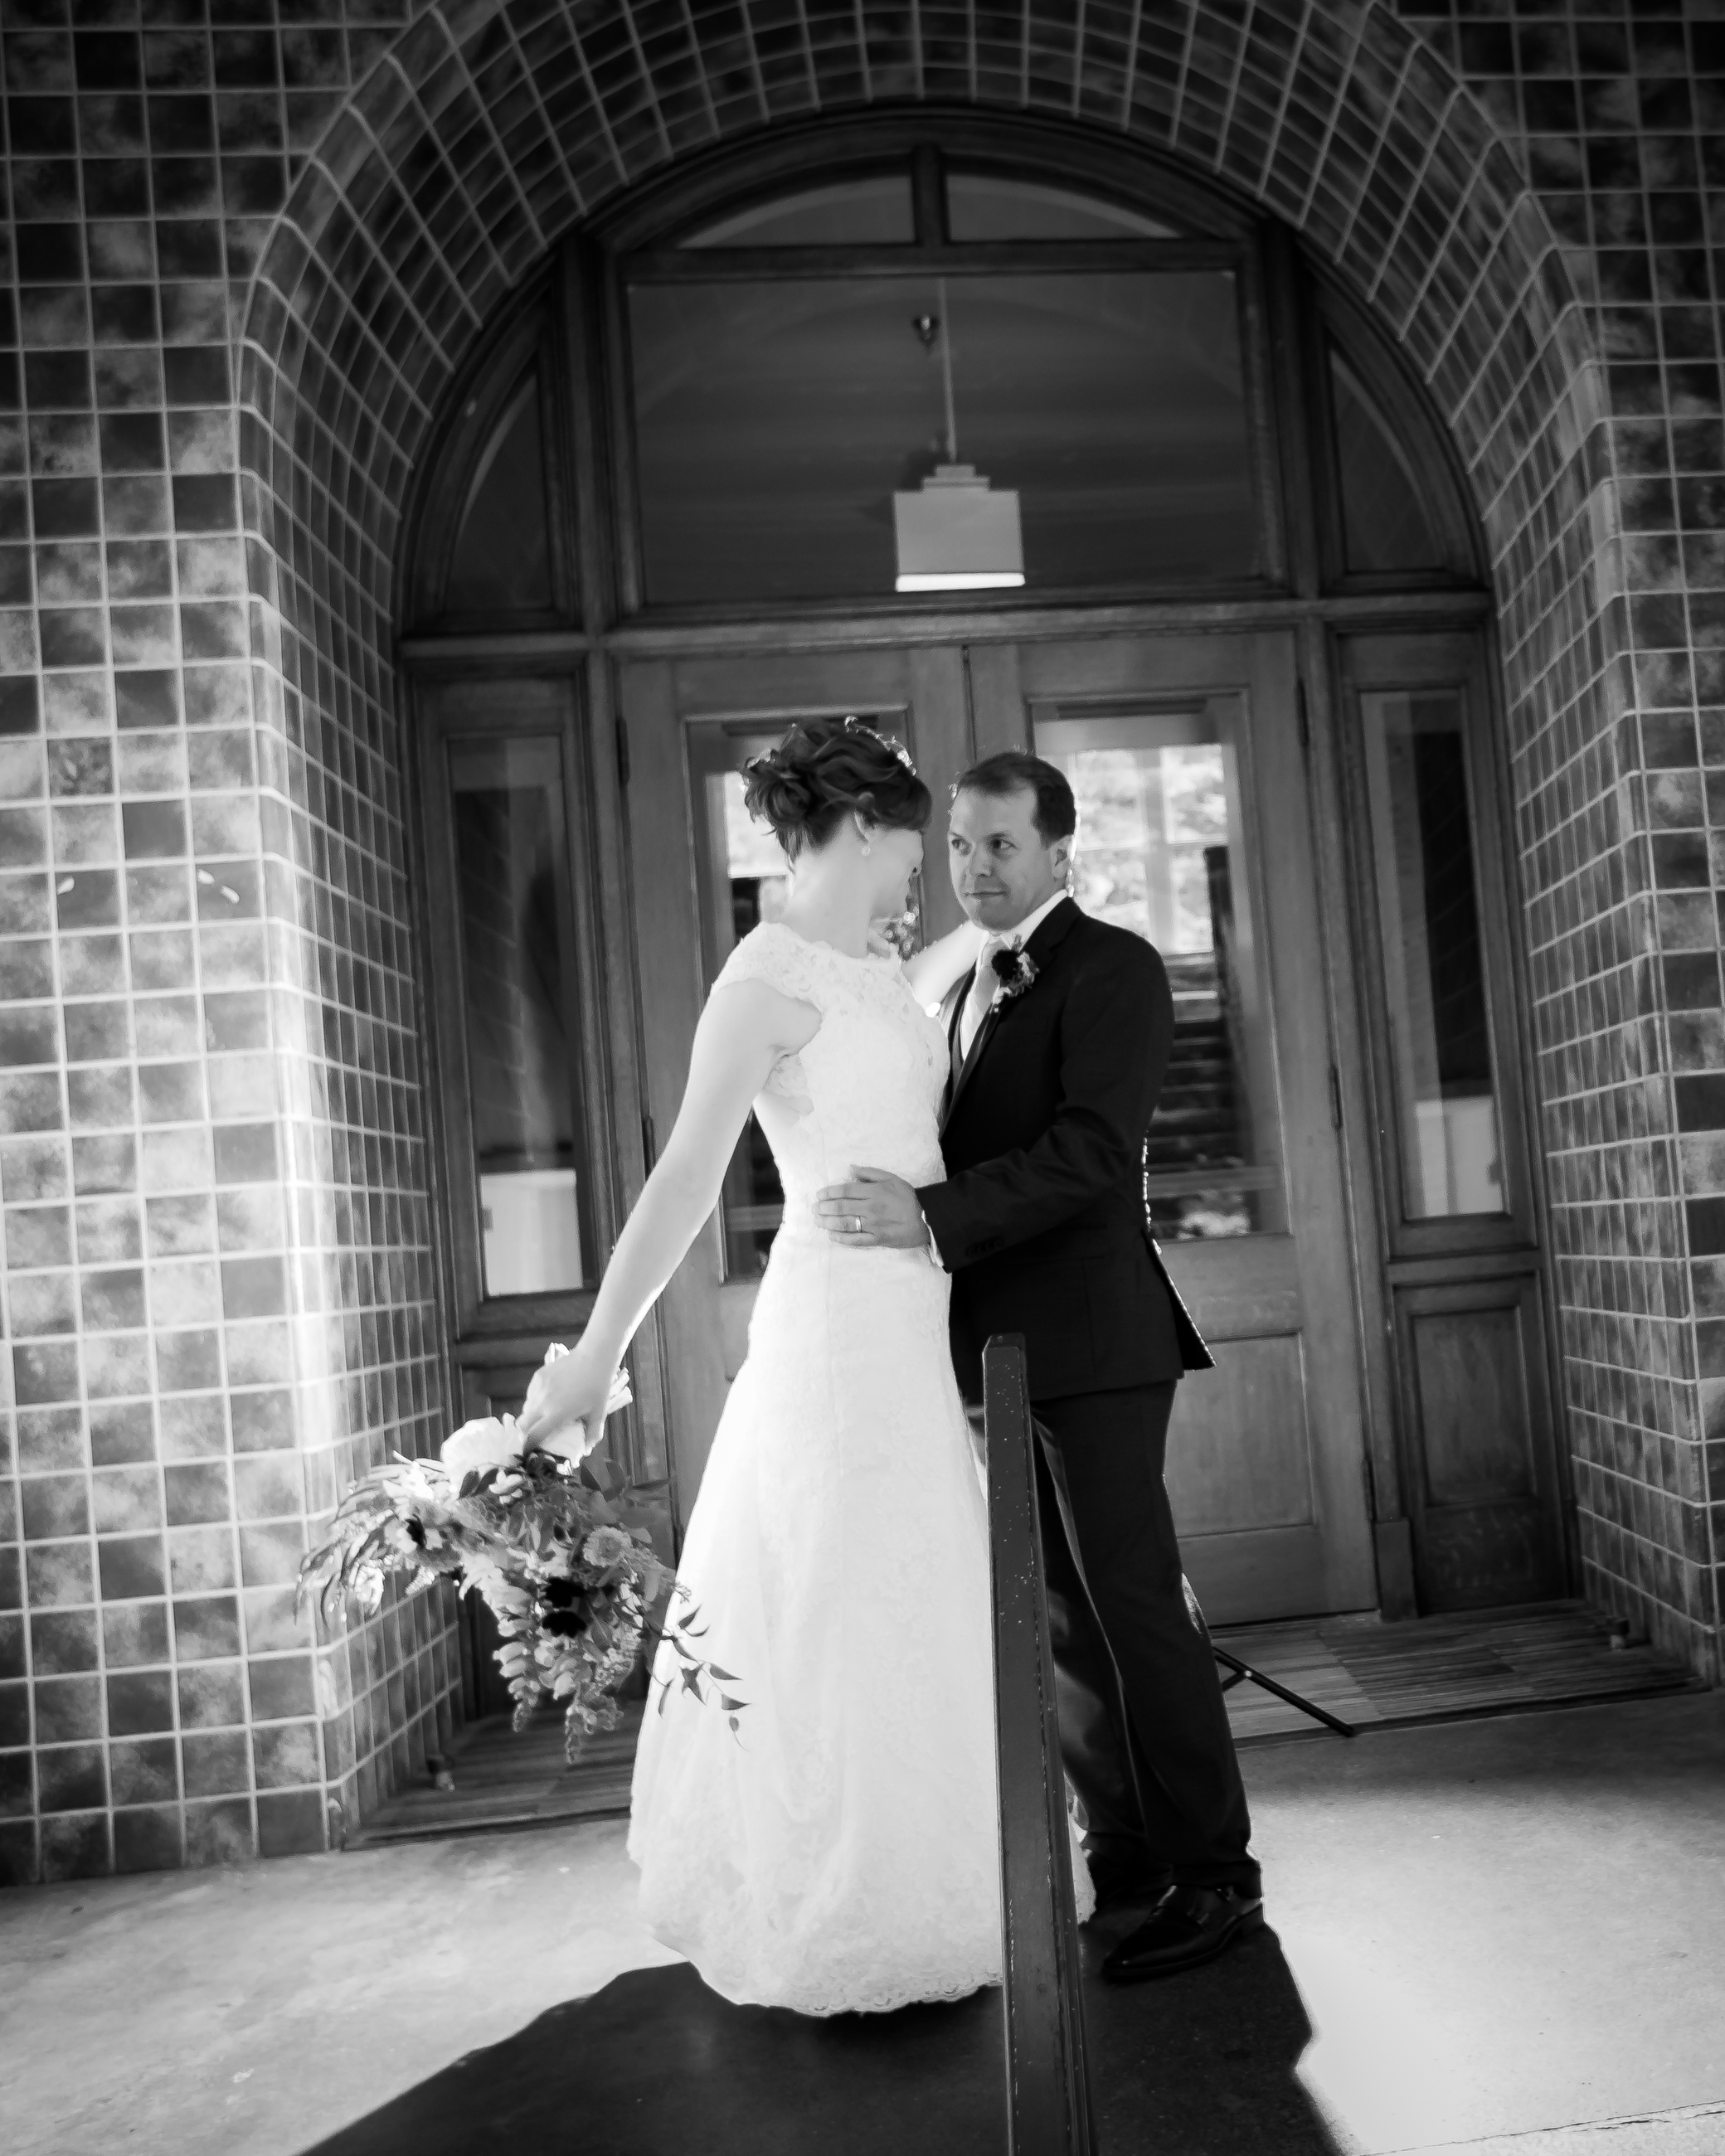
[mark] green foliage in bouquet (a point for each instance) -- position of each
(560, 1551)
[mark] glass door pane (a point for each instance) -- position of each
(1159, 845)
(742, 878)
(502, 561)
(774, 421)
(521, 1014)
(1433, 956)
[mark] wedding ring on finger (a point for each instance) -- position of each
(856, 1223)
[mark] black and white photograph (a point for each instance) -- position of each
(862, 1077)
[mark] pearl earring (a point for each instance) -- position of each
(867, 848)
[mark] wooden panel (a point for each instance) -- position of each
(787, 685)
(940, 739)
(1238, 1451)
(1239, 1286)
(1250, 1579)
(1476, 1418)
(1469, 1366)
(998, 718)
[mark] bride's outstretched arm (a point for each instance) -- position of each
(932, 970)
(743, 1031)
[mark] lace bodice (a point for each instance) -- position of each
(867, 1089)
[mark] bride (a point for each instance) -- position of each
(838, 1850)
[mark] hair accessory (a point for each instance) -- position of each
(854, 725)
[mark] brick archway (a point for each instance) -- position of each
(488, 130)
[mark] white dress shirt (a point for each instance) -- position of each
(1008, 939)
(1011, 939)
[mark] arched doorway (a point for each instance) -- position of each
(1253, 623)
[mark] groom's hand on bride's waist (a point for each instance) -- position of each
(875, 1211)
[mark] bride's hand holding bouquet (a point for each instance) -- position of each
(566, 1403)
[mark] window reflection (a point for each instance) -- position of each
(519, 1012)
(775, 420)
(1158, 832)
(1385, 525)
(1434, 961)
(501, 562)
(876, 210)
(984, 206)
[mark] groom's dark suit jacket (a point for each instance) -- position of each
(1041, 1218)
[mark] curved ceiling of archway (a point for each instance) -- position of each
(489, 129)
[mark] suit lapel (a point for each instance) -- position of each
(1050, 932)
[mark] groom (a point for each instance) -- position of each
(1059, 1040)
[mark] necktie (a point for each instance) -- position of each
(982, 986)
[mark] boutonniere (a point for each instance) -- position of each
(1016, 970)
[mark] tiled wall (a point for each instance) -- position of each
(1616, 114)
(220, 1291)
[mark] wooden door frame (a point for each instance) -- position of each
(1427, 1259)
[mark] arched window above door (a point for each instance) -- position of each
(497, 552)
(769, 389)
(502, 558)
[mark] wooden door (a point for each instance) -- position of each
(1185, 754)
(1476, 1441)
(699, 878)
(1266, 1464)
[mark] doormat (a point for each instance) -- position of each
(497, 1779)
(1369, 1673)
(1439, 1668)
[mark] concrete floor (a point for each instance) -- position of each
(1505, 1934)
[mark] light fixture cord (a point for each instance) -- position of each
(946, 377)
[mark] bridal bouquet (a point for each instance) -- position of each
(555, 1547)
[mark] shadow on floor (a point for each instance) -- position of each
(656, 2065)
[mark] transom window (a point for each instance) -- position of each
(922, 372)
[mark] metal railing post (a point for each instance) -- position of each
(1047, 2082)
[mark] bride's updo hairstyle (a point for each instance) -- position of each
(827, 769)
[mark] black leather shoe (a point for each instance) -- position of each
(1189, 1925)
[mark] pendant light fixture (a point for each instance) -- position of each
(954, 533)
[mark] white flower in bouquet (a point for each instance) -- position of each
(495, 1441)
(487, 1442)
(576, 1441)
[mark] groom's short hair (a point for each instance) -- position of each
(1014, 771)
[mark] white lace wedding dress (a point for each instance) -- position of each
(840, 1851)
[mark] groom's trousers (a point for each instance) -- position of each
(1144, 1732)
